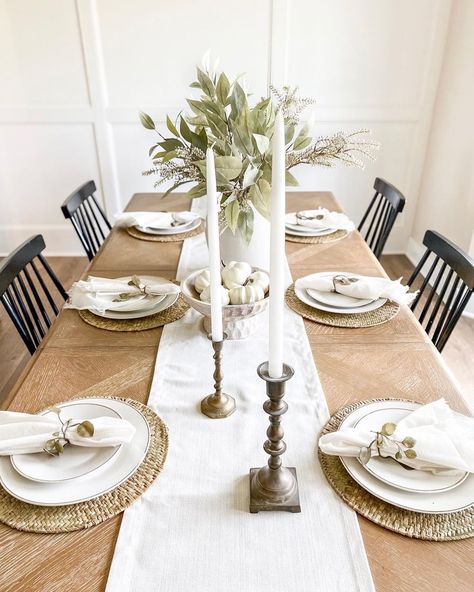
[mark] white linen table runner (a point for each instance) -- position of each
(192, 530)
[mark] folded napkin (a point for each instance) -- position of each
(103, 294)
(323, 218)
(443, 440)
(154, 219)
(24, 433)
(364, 287)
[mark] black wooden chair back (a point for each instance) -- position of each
(24, 291)
(87, 217)
(445, 289)
(381, 214)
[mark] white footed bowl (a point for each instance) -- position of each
(239, 320)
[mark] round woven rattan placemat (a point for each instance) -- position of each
(45, 519)
(168, 238)
(355, 321)
(417, 525)
(317, 240)
(171, 314)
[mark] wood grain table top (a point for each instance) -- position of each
(395, 359)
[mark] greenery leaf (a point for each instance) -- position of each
(238, 101)
(197, 191)
(251, 176)
(85, 429)
(245, 224)
(170, 125)
(409, 442)
(223, 88)
(290, 180)
(206, 83)
(147, 121)
(232, 211)
(262, 143)
(388, 428)
(170, 144)
(228, 166)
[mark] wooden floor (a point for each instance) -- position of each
(458, 354)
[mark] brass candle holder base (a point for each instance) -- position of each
(274, 487)
(218, 404)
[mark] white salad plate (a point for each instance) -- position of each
(90, 486)
(75, 461)
(170, 230)
(453, 499)
(162, 302)
(392, 473)
(313, 301)
(337, 300)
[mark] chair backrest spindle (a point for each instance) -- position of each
(381, 214)
(445, 289)
(87, 217)
(25, 294)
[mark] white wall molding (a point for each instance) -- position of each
(94, 64)
(111, 44)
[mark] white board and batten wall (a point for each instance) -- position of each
(74, 73)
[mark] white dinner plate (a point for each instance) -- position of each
(390, 472)
(305, 297)
(308, 231)
(90, 486)
(452, 500)
(75, 461)
(162, 303)
(175, 230)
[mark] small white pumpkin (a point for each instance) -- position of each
(235, 274)
(246, 294)
(205, 295)
(202, 280)
(259, 278)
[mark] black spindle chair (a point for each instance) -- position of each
(87, 217)
(381, 214)
(450, 277)
(24, 291)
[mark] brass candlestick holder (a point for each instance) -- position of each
(274, 487)
(218, 404)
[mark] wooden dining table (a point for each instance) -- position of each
(395, 359)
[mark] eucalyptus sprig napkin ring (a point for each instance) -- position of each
(383, 444)
(25, 433)
(432, 438)
(55, 445)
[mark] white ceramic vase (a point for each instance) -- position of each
(257, 252)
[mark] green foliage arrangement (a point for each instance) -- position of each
(241, 138)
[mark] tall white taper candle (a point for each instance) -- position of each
(277, 250)
(214, 251)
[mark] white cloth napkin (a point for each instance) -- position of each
(24, 433)
(365, 287)
(154, 219)
(335, 220)
(102, 294)
(444, 439)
